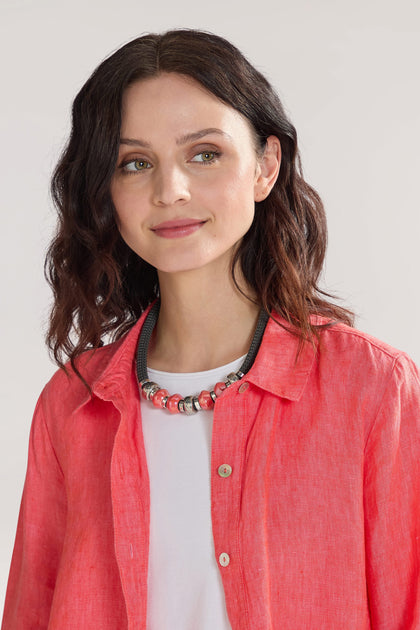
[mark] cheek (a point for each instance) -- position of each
(128, 203)
(118, 201)
(239, 195)
(235, 186)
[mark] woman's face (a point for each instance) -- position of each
(187, 174)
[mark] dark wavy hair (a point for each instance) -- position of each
(100, 285)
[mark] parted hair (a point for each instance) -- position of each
(100, 286)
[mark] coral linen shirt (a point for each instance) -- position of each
(316, 528)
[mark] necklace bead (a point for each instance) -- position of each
(205, 400)
(189, 407)
(219, 388)
(158, 399)
(172, 403)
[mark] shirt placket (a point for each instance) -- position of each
(231, 422)
(131, 512)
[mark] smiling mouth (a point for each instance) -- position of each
(177, 228)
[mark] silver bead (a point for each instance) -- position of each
(232, 377)
(240, 375)
(181, 406)
(189, 406)
(213, 396)
(143, 385)
(153, 391)
(150, 388)
(196, 403)
(164, 401)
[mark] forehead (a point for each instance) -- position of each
(172, 102)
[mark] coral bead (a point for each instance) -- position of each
(219, 387)
(172, 403)
(159, 396)
(205, 400)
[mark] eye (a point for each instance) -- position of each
(205, 157)
(134, 166)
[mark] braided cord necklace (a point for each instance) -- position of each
(189, 405)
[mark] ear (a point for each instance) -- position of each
(268, 169)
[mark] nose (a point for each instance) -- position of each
(170, 187)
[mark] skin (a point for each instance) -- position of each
(162, 174)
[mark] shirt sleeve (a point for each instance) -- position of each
(391, 504)
(39, 537)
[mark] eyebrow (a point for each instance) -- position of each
(188, 137)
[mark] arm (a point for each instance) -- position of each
(392, 504)
(39, 537)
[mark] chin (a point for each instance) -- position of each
(181, 259)
(181, 266)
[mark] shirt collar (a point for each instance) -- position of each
(115, 379)
(280, 367)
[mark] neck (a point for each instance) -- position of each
(204, 322)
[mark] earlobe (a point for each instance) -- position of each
(269, 165)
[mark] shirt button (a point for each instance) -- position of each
(225, 470)
(243, 387)
(224, 559)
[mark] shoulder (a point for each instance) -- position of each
(356, 351)
(352, 338)
(67, 388)
(109, 365)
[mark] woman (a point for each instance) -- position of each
(239, 457)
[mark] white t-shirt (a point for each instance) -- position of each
(185, 590)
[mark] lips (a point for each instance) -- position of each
(176, 223)
(177, 228)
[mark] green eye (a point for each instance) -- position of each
(140, 165)
(136, 165)
(205, 156)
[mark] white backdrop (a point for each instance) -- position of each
(348, 75)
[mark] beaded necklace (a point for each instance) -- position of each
(189, 405)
